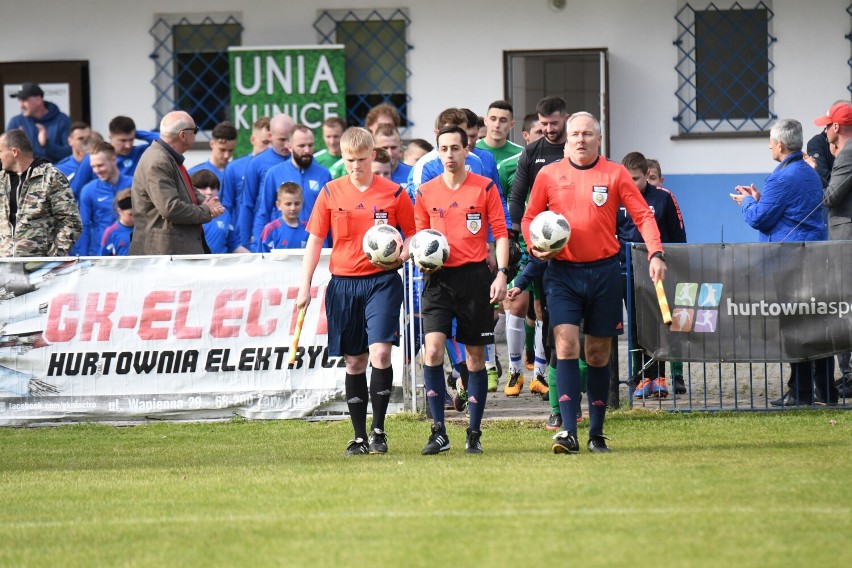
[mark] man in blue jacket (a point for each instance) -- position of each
(790, 210)
(45, 125)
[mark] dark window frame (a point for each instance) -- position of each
(389, 85)
(725, 75)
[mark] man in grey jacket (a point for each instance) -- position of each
(838, 195)
(168, 212)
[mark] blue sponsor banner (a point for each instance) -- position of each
(747, 303)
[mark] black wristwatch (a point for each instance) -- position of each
(659, 255)
(504, 270)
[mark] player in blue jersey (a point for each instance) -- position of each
(429, 166)
(96, 199)
(288, 231)
(387, 138)
(220, 233)
(231, 192)
(223, 141)
(381, 163)
(78, 134)
(122, 133)
(277, 153)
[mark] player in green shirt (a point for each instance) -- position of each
(499, 120)
(531, 131)
(332, 130)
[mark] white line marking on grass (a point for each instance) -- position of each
(404, 514)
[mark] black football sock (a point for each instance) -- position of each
(598, 392)
(356, 399)
(381, 383)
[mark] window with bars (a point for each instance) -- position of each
(724, 69)
(849, 37)
(191, 65)
(376, 51)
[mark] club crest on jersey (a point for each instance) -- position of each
(380, 218)
(474, 222)
(600, 194)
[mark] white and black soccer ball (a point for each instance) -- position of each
(549, 231)
(429, 249)
(382, 243)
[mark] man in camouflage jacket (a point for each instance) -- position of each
(38, 215)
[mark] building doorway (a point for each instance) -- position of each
(577, 75)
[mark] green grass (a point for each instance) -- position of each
(748, 489)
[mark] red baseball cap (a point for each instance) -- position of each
(841, 113)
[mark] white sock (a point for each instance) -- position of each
(490, 356)
(515, 338)
(540, 361)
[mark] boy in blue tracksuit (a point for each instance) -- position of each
(220, 233)
(288, 231)
(117, 237)
(669, 220)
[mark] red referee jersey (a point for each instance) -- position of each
(462, 215)
(348, 212)
(589, 198)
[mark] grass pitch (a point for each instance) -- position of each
(748, 489)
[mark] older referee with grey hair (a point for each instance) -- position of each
(168, 212)
(790, 210)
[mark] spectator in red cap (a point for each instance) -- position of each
(838, 197)
(44, 124)
(838, 194)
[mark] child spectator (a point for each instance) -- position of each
(116, 238)
(219, 233)
(382, 164)
(655, 178)
(655, 174)
(286, 232)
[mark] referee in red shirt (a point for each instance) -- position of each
(462, 206)
(583, 281)
(363, 299)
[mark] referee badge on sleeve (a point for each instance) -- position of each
(599, 194)
(474, 222)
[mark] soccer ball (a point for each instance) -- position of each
(382, 243)
(549, 231)
(429, 249)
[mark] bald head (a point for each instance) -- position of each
(177, 129)
(279, 130)
(173, 123)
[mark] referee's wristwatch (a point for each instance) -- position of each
(504, 270)
(660, 255)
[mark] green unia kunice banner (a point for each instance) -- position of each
(306, 82)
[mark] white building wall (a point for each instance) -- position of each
(457, 58)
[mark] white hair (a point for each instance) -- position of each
(173, 123)
(582, 113)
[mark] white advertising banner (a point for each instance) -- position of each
(129, 338)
